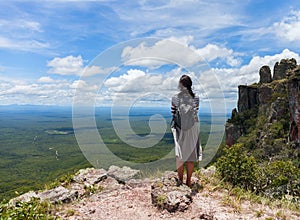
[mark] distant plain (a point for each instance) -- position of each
(38, 144)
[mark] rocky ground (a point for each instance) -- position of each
(117, 194)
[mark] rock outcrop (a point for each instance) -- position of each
(122, 174)
(248, 97)
(265, 74)
(82, 184)
(135, 199)
(168, 194)
(233, 131)
(282, 67)
(274, 101)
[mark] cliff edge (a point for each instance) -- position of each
(267, 118)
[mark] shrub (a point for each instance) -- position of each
(236, 167)
(277, 179)
(281, 172)
(34, 209)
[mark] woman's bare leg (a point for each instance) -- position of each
(180, 169)
(190, 169)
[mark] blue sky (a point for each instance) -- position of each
(45, 46)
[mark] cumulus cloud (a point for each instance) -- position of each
(82, 86)
(288, 28)
(176, 51)
(71, 65)
(44, 90)
(145, 85)
(149, 88)
(93, 70)
(46, 79)
(162, 52)
(137, 83)
(257, 61)
(134, 81)
(211, 52)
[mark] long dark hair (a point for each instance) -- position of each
(186, 82)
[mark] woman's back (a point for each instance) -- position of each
(187, 106)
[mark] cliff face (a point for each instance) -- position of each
(268, 114)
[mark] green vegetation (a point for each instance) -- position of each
(264, 160)
(246, 120)
(237, 168)
(89, 190)
(28, 153)
(161, 199)
(38, 148)
(274, 180)
(65, 180)
(32, 210)
(234, 195)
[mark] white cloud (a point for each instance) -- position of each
(32, 25)
(17, 24)
(46, 79)
(43, 91)
(136, 83)
(71, 65)
(199, 17)
(211, 52)
(82, 86)
(184, 40)
(289, 27)
(176, 51)
(22, 34)
(257, 61)
(230, 78)
(149, 88)
(23, 45)
(133, 81)
(93, 70)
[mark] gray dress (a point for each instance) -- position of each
(187, 142)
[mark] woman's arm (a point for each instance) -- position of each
(174, 105)
(196, 107)
(173, 110)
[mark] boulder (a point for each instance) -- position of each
(90, 176)
(167, 193)
(265, 74)
(58, 194)
(122, 174)
(26, 197)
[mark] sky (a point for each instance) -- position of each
(51, 51)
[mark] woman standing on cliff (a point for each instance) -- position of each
(185, 129)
